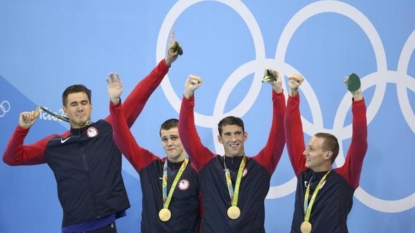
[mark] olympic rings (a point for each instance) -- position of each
(4, 108)
(380, 78)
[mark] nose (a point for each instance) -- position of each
(305, 152)
(234, 137)
(169, 142)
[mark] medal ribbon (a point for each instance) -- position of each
(55, 115)
(308, 206)
(167, 199)
(62, 118)
(234, 193)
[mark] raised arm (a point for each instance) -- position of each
(352, 167)
(293, 126)
(270, 155)
(199, 154)
(123, 138)
(136, 100)
(18, 154)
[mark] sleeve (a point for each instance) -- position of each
(271, 154)
(125, 141)
(136, 100)
(18, 154)
(294, 134)
(352, 167)
(199, 154)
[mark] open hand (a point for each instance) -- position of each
(115, 87)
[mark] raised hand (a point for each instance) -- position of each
(277, 83)
(192, 83)
(115, 88)
(173, 51)
(357, 95)
(294, 81)
(27, 119)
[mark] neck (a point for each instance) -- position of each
(322, 169)
(239, 155)
(77, 126)
(176, 159)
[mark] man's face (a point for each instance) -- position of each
(316, 158)
(172, 144)
(78, 109)
(233, 140)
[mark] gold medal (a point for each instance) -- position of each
(306, 227)
(164, 215)
(234, 212)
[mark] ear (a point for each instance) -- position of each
(328, 155)
(64, 110)
(245, 136)
(220, 139)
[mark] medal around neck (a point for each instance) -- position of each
(164, 215)
(269, 77)
(306, 227)
(353, 83)
(234, 212)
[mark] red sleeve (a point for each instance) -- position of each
(270, 155)
(125, 141)
(352, 167)
(18, 154)
(136, 100)
(294, 134)
(199, 154)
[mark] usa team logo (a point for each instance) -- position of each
(92, 132)
(184, 184)
(245, 172)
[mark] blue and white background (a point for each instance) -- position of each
(48, 45)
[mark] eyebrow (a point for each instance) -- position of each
(82, 101)
(237, 131)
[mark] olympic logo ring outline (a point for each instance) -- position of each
(4, 108)
(399, 77)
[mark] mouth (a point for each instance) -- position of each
(234, 145)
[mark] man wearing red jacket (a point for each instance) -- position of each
(85, 160)
(169, 185)
(324, 194)
(234, 186)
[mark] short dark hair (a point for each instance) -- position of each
(231, 120)
(168, 124)
(75, 89)
(330, 144)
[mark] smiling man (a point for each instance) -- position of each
(324, 194)
(234, 186)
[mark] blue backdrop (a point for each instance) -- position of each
(47, 45)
